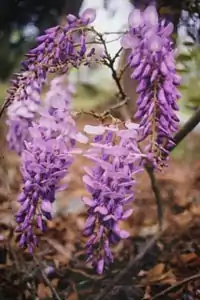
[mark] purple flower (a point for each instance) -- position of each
(17, 133)
(62, 47)
(45, 162)
(60, 89)
(22, 84)
(56, 114)
(46, 157)
(152, 58)
(20, 115)
(88, 16)
(59, 49)
(110, 182)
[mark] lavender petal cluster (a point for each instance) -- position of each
(59, 49)
(45, 160)
(110, 182)
(57, 111)
(153, 61)
(63, 46)
(44, 164)
(26, 84)
(20, 115)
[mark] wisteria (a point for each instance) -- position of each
(62, 46)
(110, 182)
(45, 161)
(43, 131)
(153, 61)
(44, 164)
(20, 116)
(59, 49)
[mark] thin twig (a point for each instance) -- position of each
(89, 113)
(85, 274)
(115, 106)
(109, 62)
(107, 42)
(115, 77)
(117, 54)
(114, 32)
(181, 134)
(48, 283)
(104, 114)
(186, 129)
(158, 198)
(134, 265)
(176, 286)
(121, 73)
(14, 256)
(4, 107)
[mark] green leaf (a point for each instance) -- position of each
(183, 57)
(183, 87)
(189, 44)
(195, 100)
(182, 71)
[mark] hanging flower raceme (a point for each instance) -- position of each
(45, 161)
(26, 84)
(59, 49)
(19, 117)
(64, 46)
(110, 182)
(153, 61)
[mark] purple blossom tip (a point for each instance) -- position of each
(135, 18)
(71, 18)
(88, 16)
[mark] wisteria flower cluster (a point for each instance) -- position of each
(20, 115)
(59, 49)
(153, 61)
(45, 158)
(110, 182)
(45, 135)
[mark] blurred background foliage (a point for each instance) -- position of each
(22, 20)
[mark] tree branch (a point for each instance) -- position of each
(4, 107)
(186, 129)
(134, 265)
(104, 114)
(115, 106)
(181, 134)
(150, 171)
(109, 62)
(176, 286)
(46, 280)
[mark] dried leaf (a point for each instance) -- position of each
(188, 257)
(73, 296)
(43, 291)
(158, 274)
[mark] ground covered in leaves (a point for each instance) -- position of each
(170, 269)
